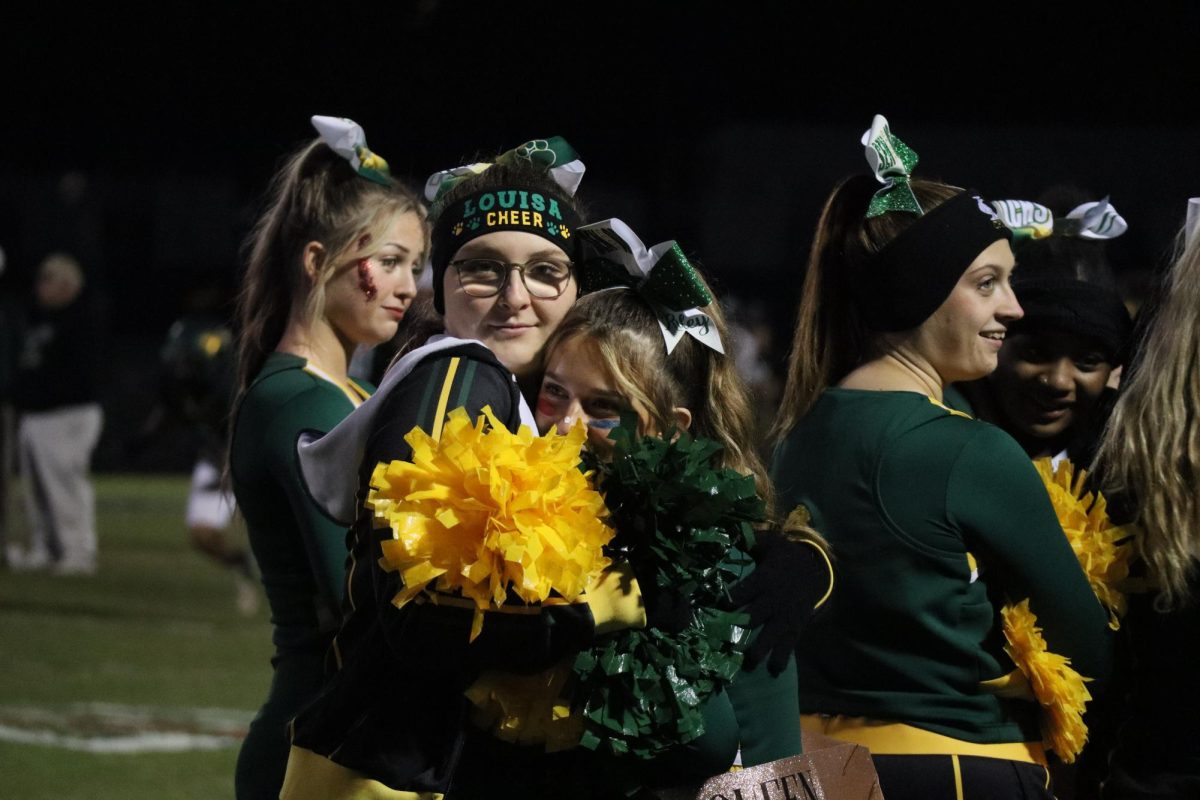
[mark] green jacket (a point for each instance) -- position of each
(912, 497)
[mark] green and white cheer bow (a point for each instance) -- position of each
(661, 275)
(892, 161)
(346, 138)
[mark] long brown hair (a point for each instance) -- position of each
(831, 338)
(626, 335)
(315, 196)
(1150, 449)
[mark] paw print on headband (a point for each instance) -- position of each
(539, 147)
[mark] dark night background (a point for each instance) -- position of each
(720, 126)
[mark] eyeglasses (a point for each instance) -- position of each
(544, 278)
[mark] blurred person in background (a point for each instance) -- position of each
(752, 349)
(9, 338)
(56, 395)
(196, 390)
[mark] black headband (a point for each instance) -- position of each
(1075, 306)
(908, 279)
(512, 208)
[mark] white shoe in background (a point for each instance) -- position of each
(73, 568)
(21, 560)
(248, 599)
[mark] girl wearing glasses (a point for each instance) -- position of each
(332, 265)
(393, 718)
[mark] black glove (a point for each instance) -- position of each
(789, 579)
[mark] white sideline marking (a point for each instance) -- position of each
(136, 743)
(112, 728)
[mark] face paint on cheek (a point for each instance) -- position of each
(546, 407)
(603, 424)
(366, 282)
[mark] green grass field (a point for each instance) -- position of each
(157, 629)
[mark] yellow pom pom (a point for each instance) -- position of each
(483, 512)
(1059, 689)
(527, 709)
(1102, 548)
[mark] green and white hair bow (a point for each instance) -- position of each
(1026, 219)
(346, 138)
(554, 155)
(661, 275)
(892, 161)
(1096, 221)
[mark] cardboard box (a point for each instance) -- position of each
(827, 770)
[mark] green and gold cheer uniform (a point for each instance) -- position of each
(393, 721)
(934, 520)
(301, 553)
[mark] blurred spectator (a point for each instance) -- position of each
(56, 394)
(196, 390)
(753, 341)
(9, 338)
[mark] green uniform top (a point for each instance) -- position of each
(395, 712)
(910, 496)
(955, 399)
(301, 553)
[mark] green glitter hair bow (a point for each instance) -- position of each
(892, 161)
(661, 275)
(346, 138)
(553, 155)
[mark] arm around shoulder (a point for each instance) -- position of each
(996, 496)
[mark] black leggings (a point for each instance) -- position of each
(965, 777)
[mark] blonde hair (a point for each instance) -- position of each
(1149, 451)
(831, 338)
(624, 332)
(316, 196)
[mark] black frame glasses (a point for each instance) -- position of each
(489, 290)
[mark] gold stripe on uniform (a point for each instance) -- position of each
(313, 777)
(958, 787)
(355, 395)
(828, 564)
(953, 411)
(898, 739)
(440, 417)
(363, 394)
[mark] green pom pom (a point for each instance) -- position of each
(685, 524)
